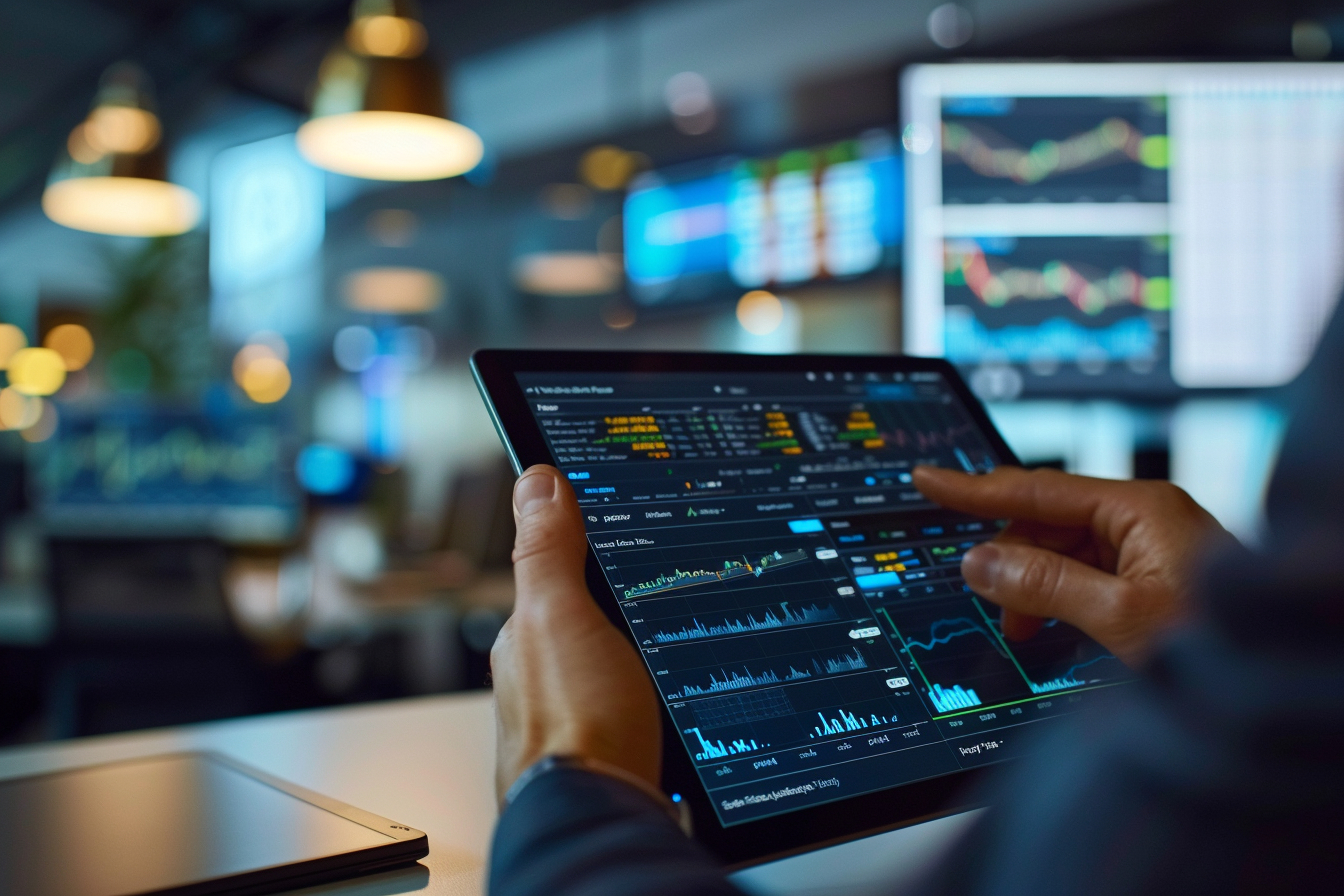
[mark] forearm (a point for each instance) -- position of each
(576, 832)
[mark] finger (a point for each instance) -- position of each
(1032, 581)
(550, 548)
(1018, 626)
(1044, 496)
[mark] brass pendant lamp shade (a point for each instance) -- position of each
(111, 176)
(378, 108)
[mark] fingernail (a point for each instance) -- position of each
(533, 492)
(982, 565)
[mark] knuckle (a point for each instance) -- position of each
(1037, 574)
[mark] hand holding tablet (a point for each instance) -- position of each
(754, 531)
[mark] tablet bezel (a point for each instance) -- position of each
(768, 838)
(405, 845)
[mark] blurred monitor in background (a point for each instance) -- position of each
(1134, 230)
(711, 230)
(153, 471)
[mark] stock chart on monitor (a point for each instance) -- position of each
(150, 471)
(798, 603)
(1134, 229)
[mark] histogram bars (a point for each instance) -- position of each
(733, 681)
(732, 569)
(955, 700)
(716, 749)
(847, 721)
(772, 620)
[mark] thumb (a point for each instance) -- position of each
(550, 547)
(1029, 581)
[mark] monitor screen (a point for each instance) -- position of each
(712, 230)
(1135, 229)
(142, 470)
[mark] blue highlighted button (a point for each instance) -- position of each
(805, 526)
(878, 580)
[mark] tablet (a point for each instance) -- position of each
(186, 824)
(825, 672)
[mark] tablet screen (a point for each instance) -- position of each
(798, 603)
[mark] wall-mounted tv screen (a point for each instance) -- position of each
(711, 230)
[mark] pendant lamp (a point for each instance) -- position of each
(111, 176)
(378, 108)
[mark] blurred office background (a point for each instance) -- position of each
(244, 467)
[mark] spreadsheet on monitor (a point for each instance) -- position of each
(1131, 228)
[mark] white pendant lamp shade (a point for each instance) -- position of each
(111, 176)
(390, 145)
(122, 206)
(378, 110)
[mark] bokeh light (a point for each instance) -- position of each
(73, 343)
(691, 102)
(11, 340)
(265, 379)
(36, 371)
(394, 290)
(121, 129)
(354, 348)
(567, 273)
(759, 312)
(607, 167)
(325, 469)
(18, 411)
(45, 425)
(389, 36)
(79, 147)
(249, 353)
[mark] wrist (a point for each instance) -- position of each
(676, 810)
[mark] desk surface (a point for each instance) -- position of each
(429, 763)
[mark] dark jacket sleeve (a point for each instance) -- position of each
(578, 832)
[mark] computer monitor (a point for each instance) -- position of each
(714, 229)
(146, 471)
(1126, 229)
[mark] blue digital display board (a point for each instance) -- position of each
(829, 213)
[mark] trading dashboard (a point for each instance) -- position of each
(798, 603)
(1136, 229)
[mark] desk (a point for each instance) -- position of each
(429, 762)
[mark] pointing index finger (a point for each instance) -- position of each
(1044, 496)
